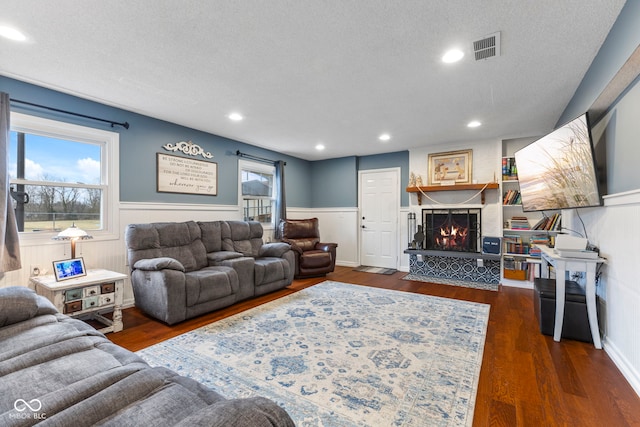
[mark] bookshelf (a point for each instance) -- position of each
(522, 230)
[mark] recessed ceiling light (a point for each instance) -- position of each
(12, 34)
(453, 55)
(473, 124)
(236, 117)
(320, 147)
(384, 137)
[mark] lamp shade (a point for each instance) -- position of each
(72, 233)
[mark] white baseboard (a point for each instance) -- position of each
(347, 264)
(623, 365)
(524, 284)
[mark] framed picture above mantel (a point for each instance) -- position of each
(187, 176)
(450, 168)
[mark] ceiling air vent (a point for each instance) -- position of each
(487, 47)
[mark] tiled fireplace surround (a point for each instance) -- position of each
(452, 248)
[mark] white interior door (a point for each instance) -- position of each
(379, 206)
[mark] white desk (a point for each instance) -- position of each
(562, 265)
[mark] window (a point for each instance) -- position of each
(257, 191)
(59, 175)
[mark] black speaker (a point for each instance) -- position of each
(491, 245)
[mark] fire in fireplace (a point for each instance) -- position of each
(451, 229)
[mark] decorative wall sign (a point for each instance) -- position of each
(188, 176)
(188, 147)
(451, 167)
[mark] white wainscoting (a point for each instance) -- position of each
(337, 225)
(614, 228)
(403, 229)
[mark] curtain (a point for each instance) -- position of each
(10, 254)
(281, 205)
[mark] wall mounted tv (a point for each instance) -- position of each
(558, 171)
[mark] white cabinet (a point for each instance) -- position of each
(87, 296)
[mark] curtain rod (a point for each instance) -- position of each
(124, 125)
(256, 158)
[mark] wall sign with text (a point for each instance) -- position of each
(188, 176)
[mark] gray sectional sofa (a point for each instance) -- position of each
(180, 270)
(59, 371)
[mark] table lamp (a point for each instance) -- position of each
(73, 234)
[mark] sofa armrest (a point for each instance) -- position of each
(161, 293)
(18, 303)
(215, 258)
(294, 246)
(252, 411)
(327, 247)
(274, 249)
(157, 264)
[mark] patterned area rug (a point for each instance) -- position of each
(453, 282)
(377, 270)
(337, 354)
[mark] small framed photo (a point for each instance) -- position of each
(450, 168)
(69, 269)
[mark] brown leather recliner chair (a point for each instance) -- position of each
(313, 258)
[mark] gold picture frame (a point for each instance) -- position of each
(450, 168)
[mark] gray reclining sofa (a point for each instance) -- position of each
(59, 371)
(180, 270)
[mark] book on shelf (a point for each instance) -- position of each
(517, 248)
(520, 223)
(515, 263)
(535, 252)
(512, 238)
(556, 225)
(540, 224)
(509, 169)
(512, 197)
(540, 239)
(550, 223)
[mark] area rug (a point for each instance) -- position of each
(338, 354)
(453, 282)
(377, 270)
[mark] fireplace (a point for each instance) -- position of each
(455, 230)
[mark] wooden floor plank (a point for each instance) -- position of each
(527, 379)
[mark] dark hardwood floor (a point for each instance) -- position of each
(527, 379)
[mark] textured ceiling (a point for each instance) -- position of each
(337, 72)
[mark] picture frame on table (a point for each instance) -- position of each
(450, 168)
(69, 269)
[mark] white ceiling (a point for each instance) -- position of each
(303, 72)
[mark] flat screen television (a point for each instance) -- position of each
(558, 171)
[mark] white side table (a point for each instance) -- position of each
(562, 265)
(89, 296)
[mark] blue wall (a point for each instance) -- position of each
(390, 160)
(620, 151)
(620, 43)
(320, 184)
(335, 181)
(146, 136)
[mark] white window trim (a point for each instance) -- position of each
(256, 167)
(110, 168)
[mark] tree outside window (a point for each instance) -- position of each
(57, 175)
